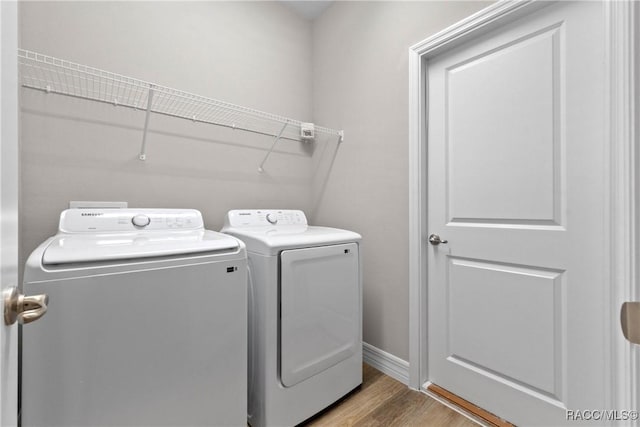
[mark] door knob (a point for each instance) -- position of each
(630, 321)
(435, 240)
(22, 308)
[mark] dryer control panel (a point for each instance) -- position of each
(264, 217)
(131, 220)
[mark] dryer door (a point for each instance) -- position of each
(320, 309)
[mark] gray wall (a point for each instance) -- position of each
(360, 84)
(256, 54)
(347, 70)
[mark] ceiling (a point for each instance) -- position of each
(308, 9)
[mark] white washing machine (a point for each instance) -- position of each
(146, 323)
(305, 314)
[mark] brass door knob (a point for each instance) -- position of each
(630, 321)
(24, 309)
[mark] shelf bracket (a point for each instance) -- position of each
(143, 148)
(275, 141)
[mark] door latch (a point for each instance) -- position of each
(22, 308)
(630, 321)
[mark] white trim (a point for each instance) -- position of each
(386, 363)
(483, 20)
(622, 29)
(9, 202)
(417, 223)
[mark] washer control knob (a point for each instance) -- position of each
(272, 218)
(140, 220)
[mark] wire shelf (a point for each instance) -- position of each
(54, 75)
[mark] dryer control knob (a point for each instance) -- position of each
(140, 220)
(272, 218)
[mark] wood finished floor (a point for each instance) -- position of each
(383, 401)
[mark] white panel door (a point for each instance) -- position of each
(516, 185)
(8, 204)
(319, 309)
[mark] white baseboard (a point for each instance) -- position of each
(386, 363)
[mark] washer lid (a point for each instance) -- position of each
(80, 248)
(271, 240)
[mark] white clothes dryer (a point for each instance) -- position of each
(305, 314)
(146, 323)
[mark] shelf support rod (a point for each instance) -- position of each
(143, 148)
(275, 141)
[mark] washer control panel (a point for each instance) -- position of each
(114, 220)
(264, 217)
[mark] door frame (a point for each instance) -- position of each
(622, 27)
(9, 205)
